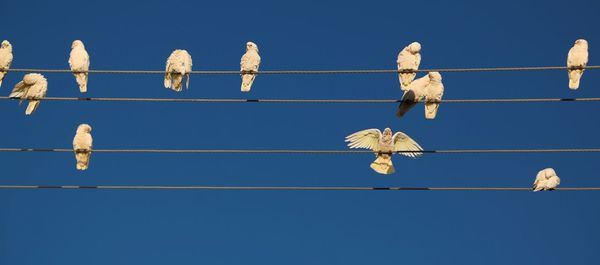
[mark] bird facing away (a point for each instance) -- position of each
(546, 179)
(409, 59)
(415, 92)
(384, 145)
(33, 88)
(577, 58)
(433, 95)
(6, 58)
(249, 66)
(82, 146)
(79, 60)
(179, 64)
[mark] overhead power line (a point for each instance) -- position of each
(218, 100)
(291, 188)
(289, 151)
(304, 72)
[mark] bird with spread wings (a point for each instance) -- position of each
(384, 145)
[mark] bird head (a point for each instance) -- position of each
(414, 47)
(32, 78)
(84, 128)
(435, 76)
(6, 45)
(387, 134)
(581, 42)
(251, 46)
(77, 43)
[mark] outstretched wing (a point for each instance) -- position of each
(368, 139)
(404, 143)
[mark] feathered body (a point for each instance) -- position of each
(82, 146)
(249, 66)
(79, 60)
(433, 95)
(384, 145)
(409, 59)
(577, 58)
(179, 65)
(33, 87)
(6, 58)
(546, 179)
(412, 95)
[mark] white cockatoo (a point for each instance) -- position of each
(32, 88)
(179, 64)
(384, 145)
(82, 146)
(546, 179)
(415, 92)
(576, 60)
(79, 60)
(6, 58)
(249, 65)
(409, 59)
(433, 95)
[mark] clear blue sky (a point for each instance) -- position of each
(275, 227)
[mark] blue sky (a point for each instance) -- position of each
(275, 227)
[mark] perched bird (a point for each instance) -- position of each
(577, 58)
(82, 146)
(6, 58)
(179, 64)
(415, 92)
(409, 59)
(249, 66)
(33, 88)
(546, 179)
(433, 95)
(79, 60)
(384, 145)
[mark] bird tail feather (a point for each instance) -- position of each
(406, 79)
(431, 109)
(383, 164)
(32, 106)
(247, 80)
(83, 159)
(574, 77)
(177, 82)
(167, 80)
(82, 79)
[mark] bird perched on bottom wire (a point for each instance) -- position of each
(79, 60)
(33, 88)
(384, 145)
(546, 179)
(82, 146)
(6, 58)
(409, 59)
(179, 64)
(576, 61)
(249, 66)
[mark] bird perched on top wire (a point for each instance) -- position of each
(79, 60)
(33, 88)
(82, 146)
(6, 58)
(249, 66)
(576, 61)
(384, 145)
(546, 179)
(409, 59)
(179, 64)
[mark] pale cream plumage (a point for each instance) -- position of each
(409, 59)
(33, 88)
(179, 64)
(249, 66)
(384, 145)
(433, 95)
(79, 60)
(6, 58)
(412, 95)
(82, 146)
(577, 58)
(546, 179)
